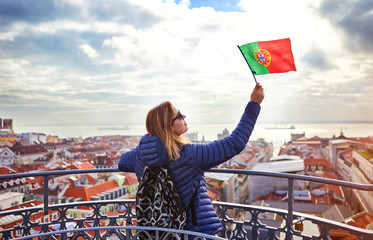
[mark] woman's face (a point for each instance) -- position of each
(179, 125)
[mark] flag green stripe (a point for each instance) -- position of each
(248, 52)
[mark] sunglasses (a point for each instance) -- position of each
(179, 115)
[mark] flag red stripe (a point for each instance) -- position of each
(282, 59)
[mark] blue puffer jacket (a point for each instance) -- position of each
(188, 170)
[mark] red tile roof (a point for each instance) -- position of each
(29, 167)
(315, 138)
(212, 195)
(35, 180)
(347, 154)
(81, 165)
(7, 170)
(26, 150)
(329, 198)
(87, 192)
(361, 221)
(311, 161)
(130, 179)
(362, 139)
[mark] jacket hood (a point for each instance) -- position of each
(152, 151)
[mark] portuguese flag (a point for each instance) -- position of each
(267, 57)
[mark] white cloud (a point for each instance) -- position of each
(89, 50)
(188, 56)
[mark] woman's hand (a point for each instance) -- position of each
(258, 94)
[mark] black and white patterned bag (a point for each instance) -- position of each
(157, 201)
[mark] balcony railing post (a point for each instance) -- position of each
(289, 220)
(46, 194)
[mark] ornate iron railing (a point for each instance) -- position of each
(98, 225)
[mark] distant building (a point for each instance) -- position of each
(295, 136)
(224, 134)
(105, 162)
(6, 124)
(345, 162)
(20, 185)
(192, 136)
(35, 137)
(109, 190)
(6, 131)
(335, 148)
(352, 160)
(314, 142)
(10, 199)
(56, 147)
(302, 151)
(261, 185)
(362, 172)
(27, 154)
(312, 165)
(71, 153)
(53, 139)
(7, 157)
(56, 191)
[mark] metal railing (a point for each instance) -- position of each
(98, 225)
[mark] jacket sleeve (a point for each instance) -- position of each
(128, 160)
(214, 153)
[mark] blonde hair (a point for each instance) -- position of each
(159, 123)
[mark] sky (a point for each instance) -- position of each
(76, 62)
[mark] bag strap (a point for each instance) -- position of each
(192, 208)
(191, 202)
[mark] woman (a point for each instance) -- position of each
(165, 125)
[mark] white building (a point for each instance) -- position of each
(10, 199)
(35, 137)
(15, 185)
(71, 153)
(335, 148)
(362, 172)
(262, 185)
(7, 157)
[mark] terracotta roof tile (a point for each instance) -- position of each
(130, 179)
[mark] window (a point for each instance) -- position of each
(46, 219)
(83, 215)
(75, 215)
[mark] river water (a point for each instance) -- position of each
(209, 131)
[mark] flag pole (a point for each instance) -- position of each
(247, 63)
